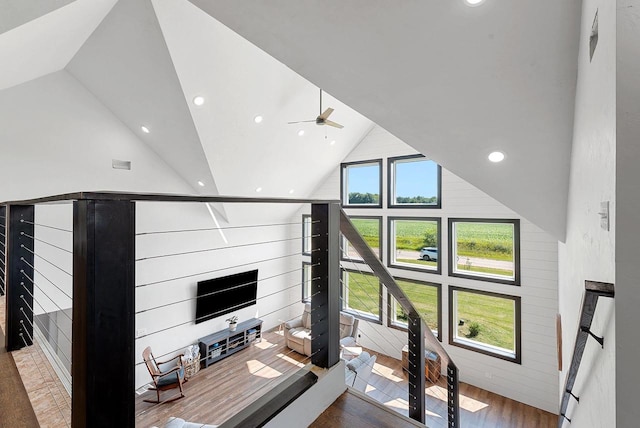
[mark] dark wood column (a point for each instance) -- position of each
(416, 368)
(103, 313)
(325, 287)
(3, 249)
(19, 275)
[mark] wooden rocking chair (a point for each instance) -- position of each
(165, 375)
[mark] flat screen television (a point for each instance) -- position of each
(220, 296)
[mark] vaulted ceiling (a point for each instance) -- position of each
(452, 81)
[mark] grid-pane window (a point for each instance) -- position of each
(425, 297)
(362, 184)
(485, 249)
(306, 234)
(360, 294)
(485, 322)
(414, 243)
(414, 181)
(370, 229)
(306, 282)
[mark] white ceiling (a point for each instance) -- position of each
(32, 48)
(454, 82)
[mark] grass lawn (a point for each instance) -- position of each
(495, 317)
(419, 262)
(494, 271)
(363, 292)
(369, 228)
(424, 298)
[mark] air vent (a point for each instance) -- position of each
(120, 164)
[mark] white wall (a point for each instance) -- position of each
(56, 137)
(278, 282)
(589, 251)
(627, 242)
(538, 290)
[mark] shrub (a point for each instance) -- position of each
(474, 329)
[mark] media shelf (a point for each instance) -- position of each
(223, 343)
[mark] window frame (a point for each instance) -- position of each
(402, 326)
(306, 237)
(483, 348)
(359, 314)
(343, 181)
(516, 250)
(391, 244)
(305, 298)
(345, 241)
(391, 183)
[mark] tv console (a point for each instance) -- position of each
(223, 343)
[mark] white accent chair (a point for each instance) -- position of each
(297, 332)
(358, 371)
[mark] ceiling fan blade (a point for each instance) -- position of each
(331, 123)
(301, 121)
(326, 113)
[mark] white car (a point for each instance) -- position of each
(429, 253)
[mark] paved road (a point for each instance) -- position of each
(475, 261)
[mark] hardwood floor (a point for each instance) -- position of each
(351, 411)
(478, 408)
(224, 388)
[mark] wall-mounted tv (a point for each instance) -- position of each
(220, 296)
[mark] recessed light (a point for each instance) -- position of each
(473, 3)
(145, 129)
(332, 142)
(200, 183)
(301, 133)
(496, 156)
(198, 100)
(258, 189)
(291, 191)
(257, 119)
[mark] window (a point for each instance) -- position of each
(306, 234)
(306, 282)
(485, 322)
(370, 228)
(361, 184)
(425, 297)
(414, 243)
(414, 182)
(485, 249)
(361, 294)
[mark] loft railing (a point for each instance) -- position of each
(103, 289)
(593, 291)
(418, 332)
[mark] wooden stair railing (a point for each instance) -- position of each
(593, 291)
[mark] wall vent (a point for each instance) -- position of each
(120, 164)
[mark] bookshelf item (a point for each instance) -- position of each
(223, 343)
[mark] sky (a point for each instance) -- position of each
(412, 178)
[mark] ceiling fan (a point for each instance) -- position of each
(323, 117)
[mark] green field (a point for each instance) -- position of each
(492, 241)
(363, 292)
(495, 318)
(425, 300)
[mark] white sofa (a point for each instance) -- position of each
(358, 371)
(297, 332)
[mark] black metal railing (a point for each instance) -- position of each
(593, 291)
(418, 333)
